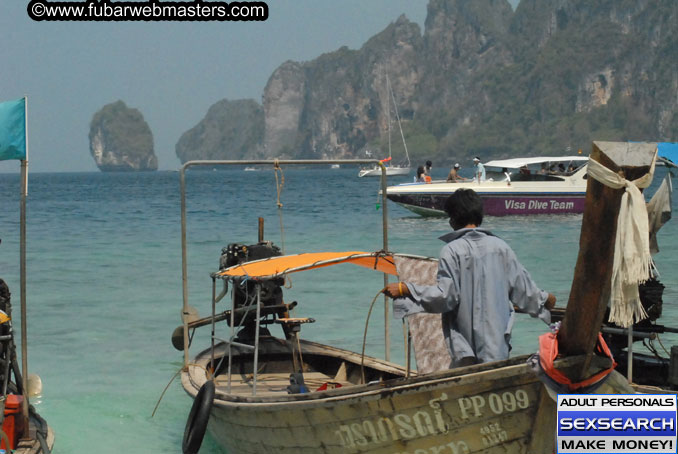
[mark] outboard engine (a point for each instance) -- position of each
(271, 295)
(235, 253)
(654, 369)
(650, 293)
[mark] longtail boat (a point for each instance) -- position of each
(29, 434)
(260, 393)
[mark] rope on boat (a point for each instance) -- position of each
(248, 308)
(5, 438)
(170, 382)
(44, 447)
(279, 184)
(165, 390)
(362, 357)
(41, 432)
(664, 348)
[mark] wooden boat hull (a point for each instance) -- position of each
(493, 408)
(447, 417)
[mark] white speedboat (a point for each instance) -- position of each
(524, 186)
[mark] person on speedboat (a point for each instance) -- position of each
(480, 169)
(421, 175)
(454, 176)
(479, 282)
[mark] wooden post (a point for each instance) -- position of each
(22, 279)
(544, 431)
(590, 292)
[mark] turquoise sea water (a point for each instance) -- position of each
(104, 281)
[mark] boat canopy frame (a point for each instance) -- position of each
(516, 163)
(274, 163)
(279, 267)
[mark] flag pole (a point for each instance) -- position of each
(22, 253)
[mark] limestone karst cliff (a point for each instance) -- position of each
(120, 140)
(230, 130)
(481, 79)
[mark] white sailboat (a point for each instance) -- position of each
(390, 169)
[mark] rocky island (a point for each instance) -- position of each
(230, 130)
(480, 79)
(120, 140)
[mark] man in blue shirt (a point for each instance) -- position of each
(480, 169)
(479, 281)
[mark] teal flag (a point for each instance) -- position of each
(13, 130)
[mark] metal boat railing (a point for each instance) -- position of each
(184, 255)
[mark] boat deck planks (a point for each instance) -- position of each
(273, 384)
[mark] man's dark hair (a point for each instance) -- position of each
(464, 207)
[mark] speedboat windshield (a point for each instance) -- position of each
(535, 169)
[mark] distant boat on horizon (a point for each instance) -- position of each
(390, 171)
(375, 170)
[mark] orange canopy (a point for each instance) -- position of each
(279, 266)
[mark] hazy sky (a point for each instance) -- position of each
(171, 71)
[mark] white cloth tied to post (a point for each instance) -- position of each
(632, 260)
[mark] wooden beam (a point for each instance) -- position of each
(545, 424)
(590, 292)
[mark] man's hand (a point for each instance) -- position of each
(396, 290)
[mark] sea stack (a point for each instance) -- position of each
(120, 140)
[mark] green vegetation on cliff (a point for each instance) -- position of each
(120, 139)
(480, 80)
(230, 130)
